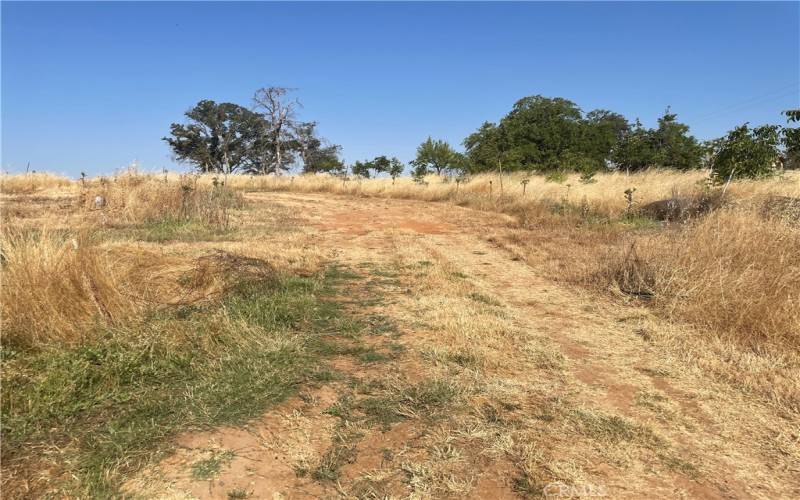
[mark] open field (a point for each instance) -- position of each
(238, 337)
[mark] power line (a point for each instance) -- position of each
(759, 100)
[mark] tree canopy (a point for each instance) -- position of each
(436, 156)
(218, 138)
(227, 137)
(546, 134)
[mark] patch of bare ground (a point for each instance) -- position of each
(477, 376)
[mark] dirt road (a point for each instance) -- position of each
(486, 381)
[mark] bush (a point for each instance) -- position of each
(746, 153)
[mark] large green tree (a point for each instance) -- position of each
(542, 133)
(602, 131)
(219, 137)
(487, 148)
(668, 146)
(539, 131)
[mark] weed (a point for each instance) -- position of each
(210, 467)
(341, 452)
(238, 493)
(373, 356)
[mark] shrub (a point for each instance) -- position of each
(746, 153)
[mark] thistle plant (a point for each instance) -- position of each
(524, 183)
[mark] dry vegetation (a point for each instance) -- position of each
(735, 273)
(122, 295)
(33, 183)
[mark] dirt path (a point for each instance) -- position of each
(488, 382)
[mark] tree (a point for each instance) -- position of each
(361, 169)
(634, 151)
(396, 168)
(315, 154)
(486, 148)
(668, 146)
(279, 115)
(602, 132)
(546, 134)
(746, 153)
(379, 164)
(674, 147)
(791, 140)
(435, 156)
(539, 131)
(218, 137)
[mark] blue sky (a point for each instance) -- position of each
(93, 86)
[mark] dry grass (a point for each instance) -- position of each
(59, 286)
(32, 183)
(732, 273)
(514, 348)
(135, 198)
(705, 272)
(605, 195)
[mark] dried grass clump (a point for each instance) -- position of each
(32, 183)
(58, 287)
(732, 273)
(135, 199)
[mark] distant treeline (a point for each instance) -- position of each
(539, 134)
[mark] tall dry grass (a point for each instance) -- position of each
(604, 195)
(32, 182)
(139, 198)
(58, 286)
(732, 273)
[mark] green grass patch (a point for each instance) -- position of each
(170, 230)
(373, 356)
(210, 467)
(110, 406)
(341, 452)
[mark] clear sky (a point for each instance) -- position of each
(93, 86)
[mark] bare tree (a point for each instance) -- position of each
(279, 112)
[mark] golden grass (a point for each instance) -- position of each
(732, 273)
(134, 198)
(32, 183)
(59, 286)
(605, 195)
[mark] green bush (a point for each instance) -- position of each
(746, 153)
